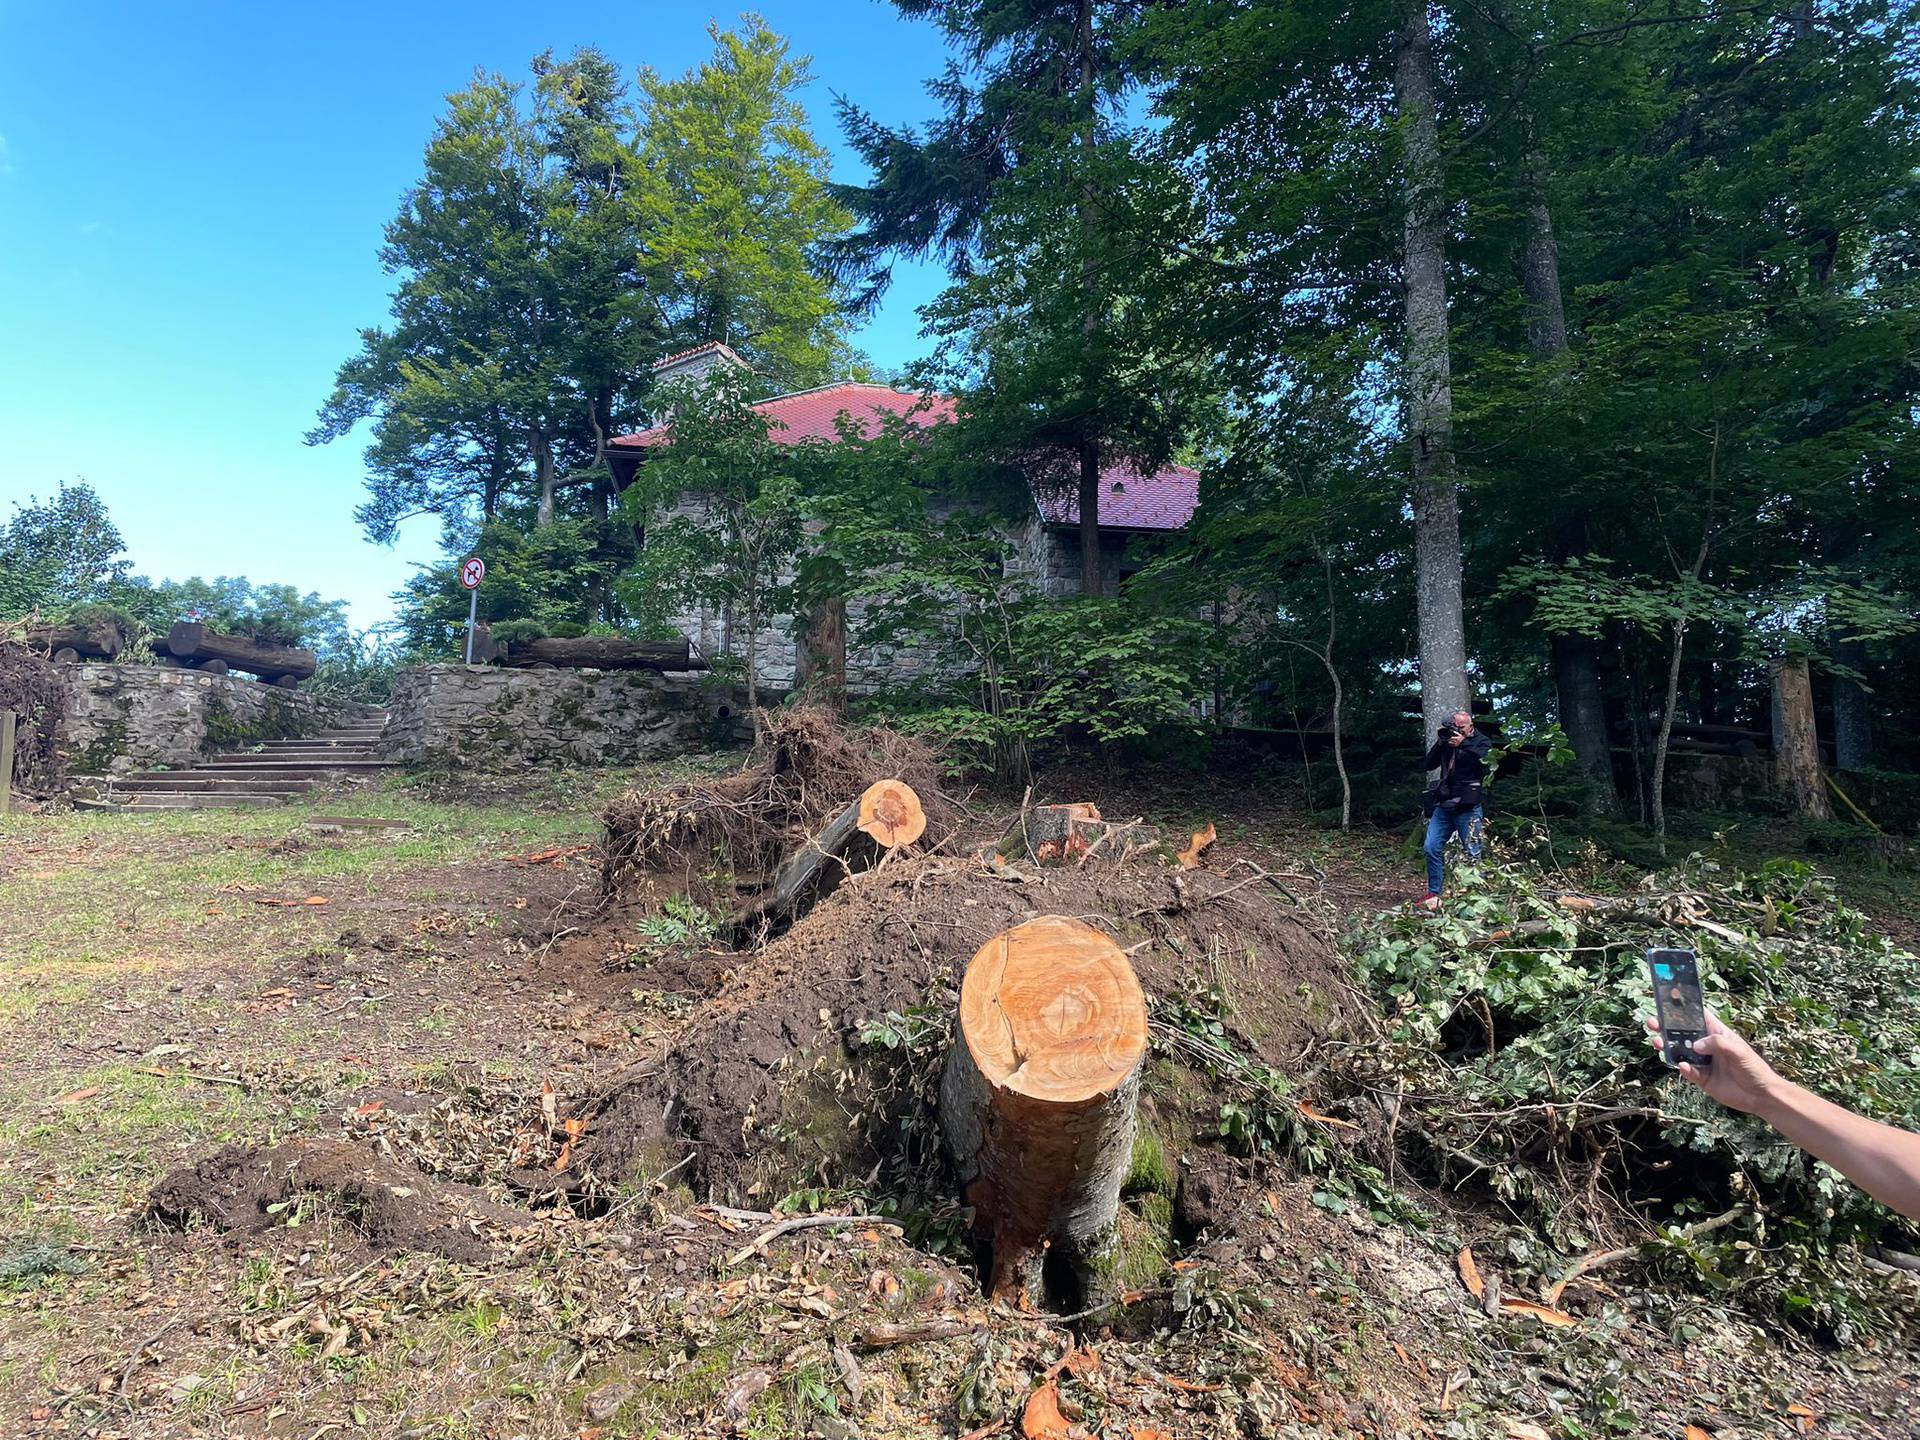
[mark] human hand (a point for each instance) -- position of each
(1455, 739)
(1738, 1078)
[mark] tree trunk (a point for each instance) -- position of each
(543, 467)
(1093, 580)
(1583, 714)
(1797, 761)
(597, 652)
(1852, 710)
(1037, 1101)
(1666, 733)
(821, 667)
(1429, 383)
(190, 640)
(1540, 260)
(888, 813)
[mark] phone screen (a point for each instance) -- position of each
(1676, 984)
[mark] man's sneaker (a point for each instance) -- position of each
(1431, 904)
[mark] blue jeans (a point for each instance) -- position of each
(1445, 822)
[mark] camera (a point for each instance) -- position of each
(1447, 732)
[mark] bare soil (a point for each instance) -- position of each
(216, 1094)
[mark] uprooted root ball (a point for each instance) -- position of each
(719, 838)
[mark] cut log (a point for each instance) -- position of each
(889, 807)
(212, 667)
(102, 640)
(1038, 1099)
(486, 649)
(66, 655)
(191, 640)
(603, 652)
(891, 814)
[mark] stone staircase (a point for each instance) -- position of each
(268, 775)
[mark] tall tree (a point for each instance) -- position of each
(1033, 186)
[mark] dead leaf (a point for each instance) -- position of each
(370, 1107)
(1140, 1432)
(315, 900)
(1470, 1273)
(1042, 1420)
(1190, 857)
(1697, 1432)
(549, 1106)
(1083, 1362)
(1805, 1416)
(73, 1097)
(1523, 1429)
(1545, 1314)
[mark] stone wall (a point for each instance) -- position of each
(136, 717)
(475, 715)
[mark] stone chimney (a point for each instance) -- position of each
(696, 364)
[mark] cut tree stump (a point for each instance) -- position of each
(1037, 1101)
(191, 641)
(1072, 835)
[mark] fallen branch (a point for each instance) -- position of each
(808, 1222)
(886, 1337)
(1587, 1264)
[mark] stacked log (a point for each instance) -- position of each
(199, 648)
(600, 652)
(1038, 1098)
(100, 640)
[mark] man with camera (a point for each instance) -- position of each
(1453, 802)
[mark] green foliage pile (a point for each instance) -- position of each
(1521, 1067)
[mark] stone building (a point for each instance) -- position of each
(1135, 509)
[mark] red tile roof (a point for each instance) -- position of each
(1129, 500)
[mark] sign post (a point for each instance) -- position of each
(472, 571)
(6, 761)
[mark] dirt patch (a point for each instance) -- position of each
(250, 1190)
(785, 1076)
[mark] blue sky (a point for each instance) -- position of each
(191, 200)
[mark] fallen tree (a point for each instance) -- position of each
(888, 814)
(203, 649)
(1038, 1098)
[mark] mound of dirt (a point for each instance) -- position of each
(715, 839)
(31, 687)
(779, 1080)
(248, 1189)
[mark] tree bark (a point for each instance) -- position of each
(1092, 574)
(1037, 1101)
(1583, 714)
(543, 467)
(601, 652)
(885, 813)
(1540, 260)
(1852, 710)
(191, 640)
(821, 667)
(1797, 761)
(1429, 382)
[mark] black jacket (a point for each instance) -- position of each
(1463, 771)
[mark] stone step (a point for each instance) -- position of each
(357, 747)
(244, 760)
(301, 769)
(166, 801)
(178, 782)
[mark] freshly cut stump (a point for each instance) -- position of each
(891, 814)
(1038, 1099)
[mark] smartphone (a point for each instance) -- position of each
(1680, 1006)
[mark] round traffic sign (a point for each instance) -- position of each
(472, 571)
